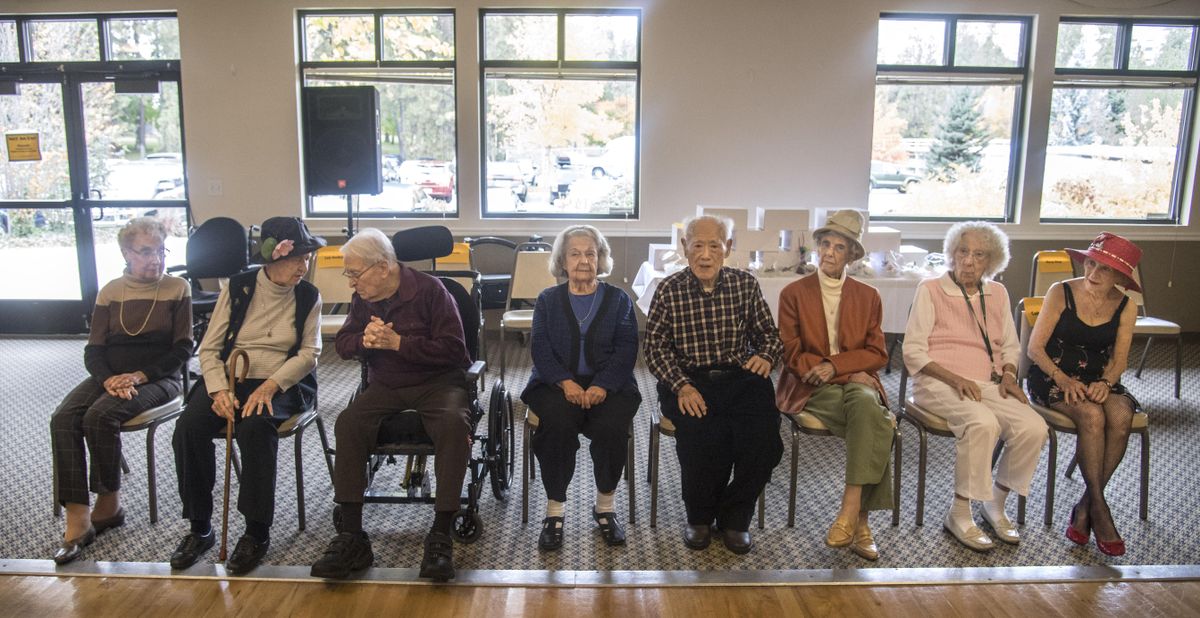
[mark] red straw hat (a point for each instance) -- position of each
(1115, 252)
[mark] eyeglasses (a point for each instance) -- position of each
(148, 253)
(355, 276)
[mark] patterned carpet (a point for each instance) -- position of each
(38, 372)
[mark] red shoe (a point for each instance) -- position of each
(1081, 538)
(1111, 548)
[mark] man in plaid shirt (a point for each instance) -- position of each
(711, 342)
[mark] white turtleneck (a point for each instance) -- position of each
(831, 300)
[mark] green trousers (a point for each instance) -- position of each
(855, 413)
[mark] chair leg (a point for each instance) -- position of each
(922, 453)
(325, 445)
(762, 509)
(649, 446)
(299, 437)
(897, 455)
(1074, 463)
(54, 486)
(1021, 510)
(1144, 498)
(1051, 472)
(795, 472)
(502, 347)
(1145, 351)
(653, 465)
(237, 463)
(630, 478)
(124, 464)
(151, 473)
(1178, 361)
(527, 473)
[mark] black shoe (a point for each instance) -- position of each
(738, 541)
(191, 548)
(246, 555)
(108, 523)
(697, 537)
(71, 550)
(610, 528)
(438, 563)
(551, 537)
(349, 551)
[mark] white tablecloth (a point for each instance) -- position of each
(897, 293)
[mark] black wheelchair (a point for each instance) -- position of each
(402, 435)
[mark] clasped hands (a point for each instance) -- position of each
(593, 396)
(226, 405)
(691, 402)
(1075, 391)
(380, 336)
(122, 385)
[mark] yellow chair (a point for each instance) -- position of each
(531, 275)
(810, 425)
(1026, 315)
(335, 289)
(1049, 267)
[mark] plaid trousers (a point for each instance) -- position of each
(89, 415)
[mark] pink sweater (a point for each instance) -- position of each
(941, 330)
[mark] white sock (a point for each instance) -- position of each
(604, 502)
(555, 508)
(995, 506)
(960, 513)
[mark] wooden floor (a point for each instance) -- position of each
(41, 596)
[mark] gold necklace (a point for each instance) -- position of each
(121, 312)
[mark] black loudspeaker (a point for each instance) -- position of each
(341, 141)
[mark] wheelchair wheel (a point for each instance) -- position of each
(337, 518)
(498, 441)
(467, 526)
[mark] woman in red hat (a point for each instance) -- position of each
(1080, 347)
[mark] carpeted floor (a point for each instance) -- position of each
(38, 372)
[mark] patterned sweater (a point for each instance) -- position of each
(140, 326)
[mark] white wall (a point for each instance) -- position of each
(751, 102)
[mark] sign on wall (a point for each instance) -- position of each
(23, 147)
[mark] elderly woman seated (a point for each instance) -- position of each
(584, 347)
(833, 346)
(274, 315)
(1079, 348)
(141, 336)
(962, 349)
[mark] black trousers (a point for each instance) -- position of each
(738, 435)
(257, 443)
(443, 403)
(90, 416)
(556, 439)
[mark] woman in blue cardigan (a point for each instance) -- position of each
(584, 348)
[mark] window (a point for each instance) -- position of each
(1122, 91)
(408, 56)
(560, 123)
(948, 94)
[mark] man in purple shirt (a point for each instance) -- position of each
(406, 327)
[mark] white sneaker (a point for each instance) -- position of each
(1005, 530)
(972, 536)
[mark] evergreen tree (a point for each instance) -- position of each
(959, 141)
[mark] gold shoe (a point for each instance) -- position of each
(839, 535)
(864, 543)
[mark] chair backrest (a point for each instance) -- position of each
(427, 242)
(1138, 297)
(1025, 316)
(458, 259)
(218, 248)
(479, 244)
(327, 276)
(531, 275)
(1049, 267)
(468, 312)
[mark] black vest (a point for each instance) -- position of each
(241, 290)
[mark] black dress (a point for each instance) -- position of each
(1079, 350)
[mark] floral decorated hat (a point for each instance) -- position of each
(284, 236)
(1115, 252)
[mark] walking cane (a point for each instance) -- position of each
(238, 355)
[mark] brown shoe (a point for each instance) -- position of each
(864, 543)
(840, 534)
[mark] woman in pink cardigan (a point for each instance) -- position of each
(833, 346)
(962, 350)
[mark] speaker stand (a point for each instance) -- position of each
(349, 229)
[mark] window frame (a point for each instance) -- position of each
(559, 65)
(378, 63)
(907, 74)
(1113, 78)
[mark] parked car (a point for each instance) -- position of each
(435, 177)
(507, 174)
(618, 158)
(891, 176)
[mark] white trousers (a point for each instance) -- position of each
(976, 426)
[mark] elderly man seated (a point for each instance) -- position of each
(406, 327)
(711, 343)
